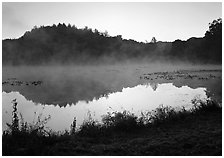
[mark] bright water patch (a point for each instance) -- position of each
(137, 99)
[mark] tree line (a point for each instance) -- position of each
(67, 44)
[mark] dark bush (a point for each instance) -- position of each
(123, 121)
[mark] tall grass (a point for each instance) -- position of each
(113, 121)
(32, 139)
(20, 127)
(128, 122)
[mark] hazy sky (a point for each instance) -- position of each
(139, 21)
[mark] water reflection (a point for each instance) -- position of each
(67, 85)
(136, 99)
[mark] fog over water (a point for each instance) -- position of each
(69, 84)
(65, 92)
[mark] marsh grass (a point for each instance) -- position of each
(116, 128)
(127, 122)
(20, 127)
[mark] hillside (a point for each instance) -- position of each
(68, 44)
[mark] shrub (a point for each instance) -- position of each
(90, 127)
(208, 106)
(124, 121)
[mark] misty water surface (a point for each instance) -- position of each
(77, 91)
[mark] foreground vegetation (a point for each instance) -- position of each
(163, 131)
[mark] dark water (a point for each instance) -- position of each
(65, 93)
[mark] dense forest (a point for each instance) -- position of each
(66, 44)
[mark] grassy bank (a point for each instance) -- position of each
(160, 132)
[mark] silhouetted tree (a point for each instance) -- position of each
(153, 40)
(213, 41)
(215, 29)
(63, 44)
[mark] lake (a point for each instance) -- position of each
(65, 92)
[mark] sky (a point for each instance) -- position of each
(166, 21)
